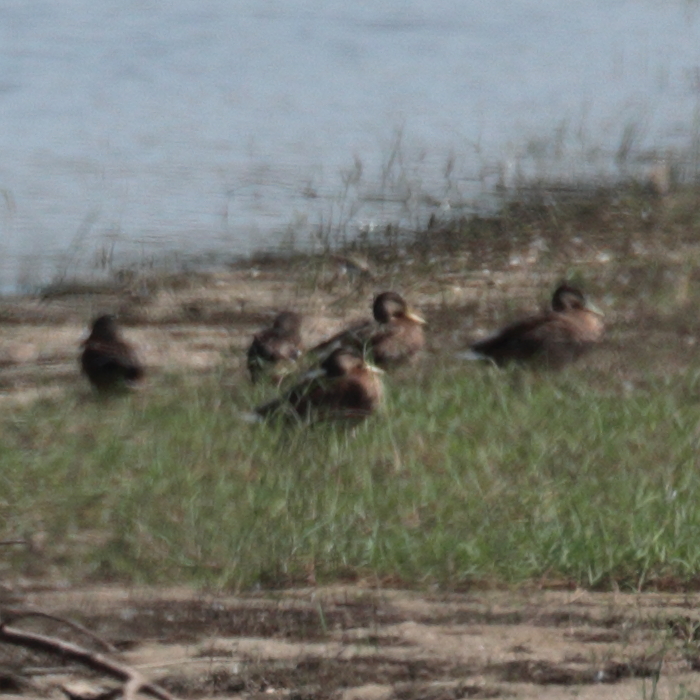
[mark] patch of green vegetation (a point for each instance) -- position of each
(468, 475)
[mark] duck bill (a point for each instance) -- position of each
(412, 316)
(374, 368)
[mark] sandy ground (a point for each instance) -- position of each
(374, 644)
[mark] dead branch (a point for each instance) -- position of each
(130, 689)
(11, 615)
(97, 662)
(85, 691)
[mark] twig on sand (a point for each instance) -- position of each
(11, 615)
(133, 681)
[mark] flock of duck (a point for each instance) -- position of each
(344, 383)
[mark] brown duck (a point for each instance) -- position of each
(107, 360)
(394, 338)
(552, 339)
(345, 386)
(273, 347)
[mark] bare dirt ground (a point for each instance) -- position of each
(369, 644)
(356, 642)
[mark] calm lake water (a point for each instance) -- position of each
(132, 129)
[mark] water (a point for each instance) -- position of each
(134, 129)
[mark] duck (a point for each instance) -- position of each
(107, 360)
(394, 338)
(552, 339)
(274, 347)
(344, 386)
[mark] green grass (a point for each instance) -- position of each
(469, 475)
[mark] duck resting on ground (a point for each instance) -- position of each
(394, 338)
(108, 361)
(345, 386)
(552, 339)
(275, 347)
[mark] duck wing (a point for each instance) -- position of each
(554, 338)
(105, 362)
(324, 397)
(356, 337)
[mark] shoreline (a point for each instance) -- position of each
(466, 275)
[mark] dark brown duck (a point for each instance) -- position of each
(108, 361)
(394, 338)
(273, 347)
(345, 386)
(552, 339)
